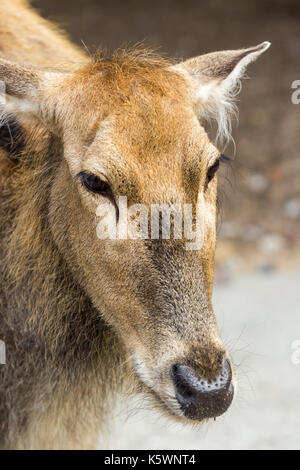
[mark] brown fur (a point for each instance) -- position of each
(83, 319)
(27, 38)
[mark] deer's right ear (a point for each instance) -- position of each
(215, 80)
(26, 93)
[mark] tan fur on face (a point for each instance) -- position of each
(150, 155)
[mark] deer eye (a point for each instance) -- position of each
(94, 184)
(212, 171)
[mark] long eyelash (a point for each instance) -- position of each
(224, 159)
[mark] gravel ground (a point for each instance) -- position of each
(259, 319)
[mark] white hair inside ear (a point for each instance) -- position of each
(215, 80)
(26, 93)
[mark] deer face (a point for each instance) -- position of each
(131, 133)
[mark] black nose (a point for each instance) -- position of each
(200, 398)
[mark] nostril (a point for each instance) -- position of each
(181, 376)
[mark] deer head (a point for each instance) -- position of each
(132, 128)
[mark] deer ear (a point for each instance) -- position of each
(215, 81)
(23, 92)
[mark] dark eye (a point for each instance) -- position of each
(212, 171)
(94, 184)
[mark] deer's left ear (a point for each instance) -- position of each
(215, 80)
(27, 93)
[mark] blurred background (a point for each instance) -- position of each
(257, 296)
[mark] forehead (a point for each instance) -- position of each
(162, 153)
(157, 124)
(150, 131)
(141, 106)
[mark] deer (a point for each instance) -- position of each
(85, 320)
